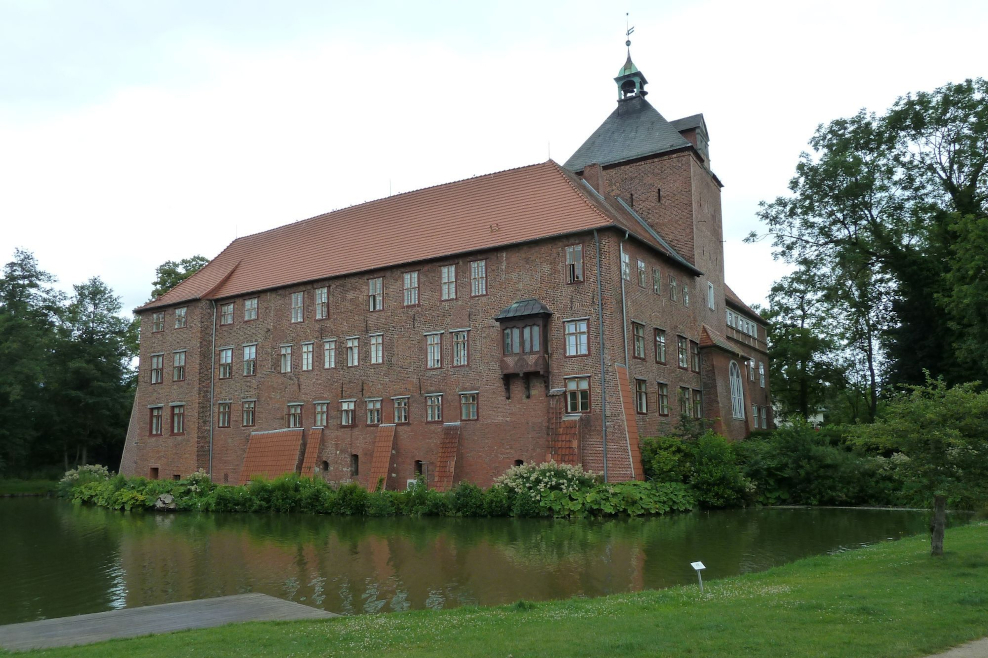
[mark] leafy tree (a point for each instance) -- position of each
(91, 388)
(171, 273)
(873, 222)
(29, 316)
(943, 433)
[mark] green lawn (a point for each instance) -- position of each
(26, 486)
(891, 599)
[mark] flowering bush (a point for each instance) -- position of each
(528, 484)
(79, 476)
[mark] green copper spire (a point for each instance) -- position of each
(630, 81)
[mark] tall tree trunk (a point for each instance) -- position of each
(872, 377)
(938, 524)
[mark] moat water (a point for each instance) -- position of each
(58, 559)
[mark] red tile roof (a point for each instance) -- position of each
(630, 420)
(564, 443)
(446, 464)
(508, 207)
(384, 444)
(270, 454)
(710, 338)
(736, 302)
(313, 439)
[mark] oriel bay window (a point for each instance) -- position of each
(523, 343)
(577, 395)
(522, 340)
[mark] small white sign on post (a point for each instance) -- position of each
(698, 566)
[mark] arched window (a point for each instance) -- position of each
(737, 392)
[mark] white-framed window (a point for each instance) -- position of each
(178, 361)
(329, 353)
(347, 418)
(642, 276)
(434, 408)
(181, 319)
(686, 293)
(322, 413)
(764, 418)
(626, 266)
(751, 370)
(737, 391)
(577, 395)
(461, 348)
(298, 306)
(250, 309)
(294, 416)
(478, 278)
(410, 281)
(158, 321)
(247, 413)
(223, 414)
(307, 350)
(322, 303)
(250, 360)
(373, 411)
(434, 351)
(468, 406)
(673, 289)
(641, 396)
(656, 281)
(375, 294)
(684, 358)
(710, 296)
(401, 410)
(226, 363)
(376, 349)
(697, 403)
(447, 274)
(694, 356)
(754, 414)
(352, 352)
(286, 358)
(157, 368)
(226, 313)
(155, 423)
(576, 332)
(574, 263)
(761, 374)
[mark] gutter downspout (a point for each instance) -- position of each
(603, 366)
(624, 308)
(212, 376)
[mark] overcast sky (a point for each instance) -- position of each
(138, 131)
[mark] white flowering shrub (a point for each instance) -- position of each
(79, 476)
(199, 482)
(529, 483)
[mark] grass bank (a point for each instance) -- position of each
(15, 487)
(891, 599)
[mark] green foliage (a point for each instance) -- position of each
(667, 459)
(717, 481)
(797, 465)
(942, 432)
(619, 498)
(526, 485)
(171, 273)
(467, 499)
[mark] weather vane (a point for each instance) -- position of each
(628, 30)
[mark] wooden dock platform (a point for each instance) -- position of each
(165, 618)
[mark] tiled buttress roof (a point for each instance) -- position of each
(508, 207)
(384, 445)
(270, 454)
(446, 464)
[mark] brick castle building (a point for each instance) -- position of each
(545, 312)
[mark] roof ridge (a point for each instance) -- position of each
(563, 174)
(396, 196)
